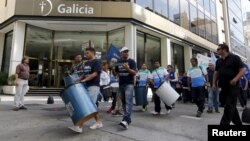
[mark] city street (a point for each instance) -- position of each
(42, 122)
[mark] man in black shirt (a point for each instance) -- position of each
(229, 69)
(126, 70)
(91, 76)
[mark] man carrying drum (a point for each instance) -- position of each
(142, 78)
(91, 76)
(77, 67)
(158, 76)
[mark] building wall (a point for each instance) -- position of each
(6, 10)
(220, 21)
(1, 48)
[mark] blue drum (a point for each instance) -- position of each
(69, 80)
(78, 104)
(141, 96)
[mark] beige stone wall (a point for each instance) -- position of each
(7, 11)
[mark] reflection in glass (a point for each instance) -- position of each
(161, 7)
(152, 50)
(208, 28)
(148, 4)
(140, 49)
(7, 52)
(214, 33)
(178, 58)
(69, 43)
(193, 19)
(117, 38)
(174, 11)
(201, 24)
(38, 42)
(148, 49)
(185, 14)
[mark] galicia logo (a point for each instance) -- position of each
(46, 7)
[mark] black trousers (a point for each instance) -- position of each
(114, 95)
(157, 102)
(230, 111)
(198, 94)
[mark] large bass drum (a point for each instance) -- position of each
(78, 104)
(167, 94)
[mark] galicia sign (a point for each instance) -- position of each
(47, 7)
(75, 9)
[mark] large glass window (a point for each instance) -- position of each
(213, 8)
(201, 24)
(152, 50)
(7, 52)
(161, 7)
(185, 14)
(207, 5)
(178, 58)
(148, 4)
(208, 28)
(214, 33)
(148, 49)
(174, 11)
(193, 19)
(38, 42)
(201, 2)
(117, 38)
(69, 43)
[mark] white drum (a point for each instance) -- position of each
(167, 94)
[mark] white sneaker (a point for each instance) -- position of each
(124, 124)
(155, 113)
(96, 126)
(76, 129)
(168, 111)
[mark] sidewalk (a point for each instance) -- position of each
(42, 122)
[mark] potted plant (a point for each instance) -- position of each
(11, 87)
(3, 80)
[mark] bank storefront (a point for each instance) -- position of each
(49, 33)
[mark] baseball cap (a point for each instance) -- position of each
(124, 49)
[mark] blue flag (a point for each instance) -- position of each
(113, 52)
(247, 72)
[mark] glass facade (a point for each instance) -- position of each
(148, 49)
(198, 16)
(54, 51)
(7, 52)
(178, 58)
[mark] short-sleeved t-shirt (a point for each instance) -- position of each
(124, 77)
(158, 76)
(77, 68)
(23, 71)
(228, 68)
(91, 67)
(197, 76)
(143, 76)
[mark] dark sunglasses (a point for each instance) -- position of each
(219, 49)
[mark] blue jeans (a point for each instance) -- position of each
(213, 99)
(127, 92)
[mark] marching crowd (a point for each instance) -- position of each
(221, 84)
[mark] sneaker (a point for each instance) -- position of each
(117, 113)
(96, 126)
(144, 109)
(198, 114)
(124, 124)
(168, 111)
(217, 110)
(209, 111)
(23, 108)
(155, 113)
(76, 129)
(16, 109)
(110, 110)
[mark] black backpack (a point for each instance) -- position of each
(50, 100)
